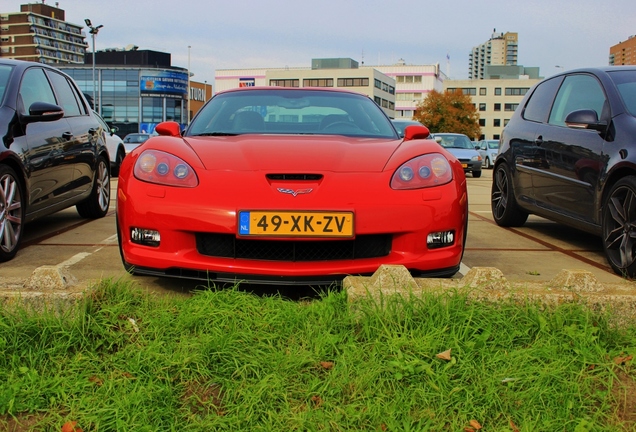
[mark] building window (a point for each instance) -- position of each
(510, 106)
(284, 83)
(496, 136)
(353, 82)
(506, 121)
(482, 122)
(318, 82)
(469, 91)
(497, 107)
(496, 123)
(497, 91)
(408, 79)
(482, 91)
(482, 107)
(516, 91)
(377, 83)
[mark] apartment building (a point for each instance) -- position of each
(623, 53)
(40, 33)
(501, 49)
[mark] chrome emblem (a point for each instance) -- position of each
(294, 192)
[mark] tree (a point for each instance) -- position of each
(451, 112)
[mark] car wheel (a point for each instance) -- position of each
(619, 227)
(487, 163)
(477, 174)
(118, 160)
(96, 205)
(11, 213)
(505, 209)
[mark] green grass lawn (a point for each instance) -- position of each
(125, 360)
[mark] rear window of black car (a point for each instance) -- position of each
(540, 102)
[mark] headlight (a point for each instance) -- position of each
(422, 172)
(159, 167)
(476, 158)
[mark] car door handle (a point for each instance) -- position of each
(67, 136)
(538, 140)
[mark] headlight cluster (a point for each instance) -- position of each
(422, 172)
(159, 167)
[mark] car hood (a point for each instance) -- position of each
(301, 153)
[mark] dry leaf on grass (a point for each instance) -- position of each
(326, 365)
(475, 424)
(622, 360)
(71, 426)
(446, 355)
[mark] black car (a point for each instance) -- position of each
(569, 154)
(52, 155)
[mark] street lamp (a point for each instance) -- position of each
(93, 31)
(189, 92)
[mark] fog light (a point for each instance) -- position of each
(440, 239)
(145, 237)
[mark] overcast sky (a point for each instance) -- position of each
(284, 33)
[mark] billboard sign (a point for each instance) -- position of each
(163, 83)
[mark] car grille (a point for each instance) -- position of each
(228, 246)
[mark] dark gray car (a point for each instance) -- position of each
(569, 154)
(52, 155)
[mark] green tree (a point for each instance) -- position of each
(451, 112)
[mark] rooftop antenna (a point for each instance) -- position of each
(362, 61)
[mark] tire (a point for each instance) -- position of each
(505, 209)
(487, 163)
(477, 174)
(118, 160)
(12, 210)
(619, 226)
(96, 205)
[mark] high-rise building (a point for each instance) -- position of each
(623, 53)
(39, 33)
(501, 49)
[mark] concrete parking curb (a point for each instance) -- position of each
(489, 284)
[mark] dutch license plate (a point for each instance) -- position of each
(464, 165)
(293, 223)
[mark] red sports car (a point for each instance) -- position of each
(290, 186)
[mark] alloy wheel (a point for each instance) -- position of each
(10, 213)
(619, 228)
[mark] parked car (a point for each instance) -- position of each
(401, 124)
(53, 155)
(463, 149)
(114, 144)
(488, 150)
(290, 186)
(133, 140)
(569, 154)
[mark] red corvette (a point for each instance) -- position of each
(290, 186)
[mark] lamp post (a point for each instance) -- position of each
(189, 83)
(93, 31)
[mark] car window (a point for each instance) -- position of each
(66, 95)
(292, 112)
(5, 72)
(538, 106)
(455, 141)
(35, 87)
(577, 92)
(626, 84)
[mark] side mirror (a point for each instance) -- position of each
(584, 119)
(168, 128)
(43, 112)
(413, 132)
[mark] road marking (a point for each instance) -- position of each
(80, 256)
(463, 269)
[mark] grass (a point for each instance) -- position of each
(230, 360)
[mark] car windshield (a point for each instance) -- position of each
(454, 141)
(626, 84)
(493, 144)
(136, 138)
(5, 72)
(291, 111)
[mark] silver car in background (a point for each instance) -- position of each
(488, 149)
